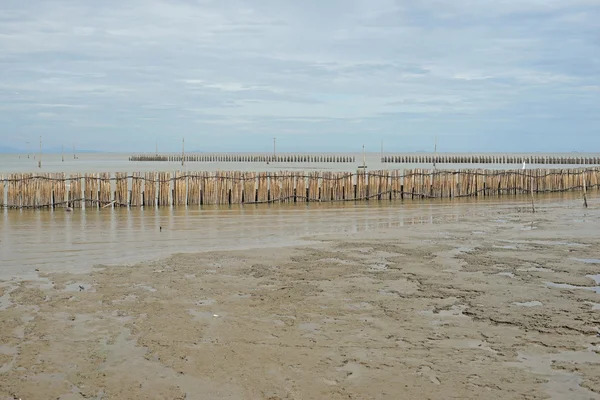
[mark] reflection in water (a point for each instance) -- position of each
(75, 241)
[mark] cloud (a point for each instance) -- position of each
(240, 71)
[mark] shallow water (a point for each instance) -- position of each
(59, 241)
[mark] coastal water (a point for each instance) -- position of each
(75, 241)
(118, 162)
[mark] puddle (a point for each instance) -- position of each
(5, 299)
(464, 249)
(595, 306)
(529, 304)
(500, 221)
(203, 315)
(351, 370)
(309, 326)
(478, 233)
(454, 311)
(535, 269)
(587, 260)
(509, 274)
(567, 286)
(467, 344)
(596, 278)
(506, 247)
(79, 287)
(205, 302)
(549, 243)
(378, 267)
(561, 384)
(42, 284)
(126, 299)
(364, 305)
(335, 260)
(8, 350)
(145, 287)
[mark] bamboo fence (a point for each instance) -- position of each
(166, 189)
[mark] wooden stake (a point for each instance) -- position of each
(584, 192)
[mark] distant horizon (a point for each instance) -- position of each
(191, 152)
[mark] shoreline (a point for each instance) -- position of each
(459, 307)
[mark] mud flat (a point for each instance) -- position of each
(500, 304)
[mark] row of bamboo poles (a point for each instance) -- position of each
(234, 187)
(285, 158)
(486, 159)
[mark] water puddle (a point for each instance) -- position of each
(363, 305)
(8, 350)
(587, 260)
(464, 249)
(5, 299)
(203, 315)
(310, 327)
(127, 299)
(508, 274)
(561, 384)
(334, 260)
(378, 267)
(529, 304)
(506, 247)
(145, 287)
(467, 344)
(595, 306)
(454, 311)
(205, 302)
(567, 286)
(535, 269)
(79, 287)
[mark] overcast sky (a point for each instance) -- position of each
(319, 75)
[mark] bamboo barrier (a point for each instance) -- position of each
(488, 159)
(244, 158)
(234, 187)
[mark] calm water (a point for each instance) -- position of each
(113, 162)
(58, 240)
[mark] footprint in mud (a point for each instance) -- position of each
(427, 372)
(351, 369)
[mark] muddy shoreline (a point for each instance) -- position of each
(501, 304)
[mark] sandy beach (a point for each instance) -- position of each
(501, 303)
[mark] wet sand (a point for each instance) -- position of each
(500, 303)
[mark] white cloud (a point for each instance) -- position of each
(266, 66)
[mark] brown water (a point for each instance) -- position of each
(115, 162)
(76, 241)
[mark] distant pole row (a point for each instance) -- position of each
(479, 159)
(286, 158)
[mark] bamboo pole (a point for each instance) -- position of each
(2, 191)
(75, 190)
(135, 199)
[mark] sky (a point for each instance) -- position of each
(328, 75)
